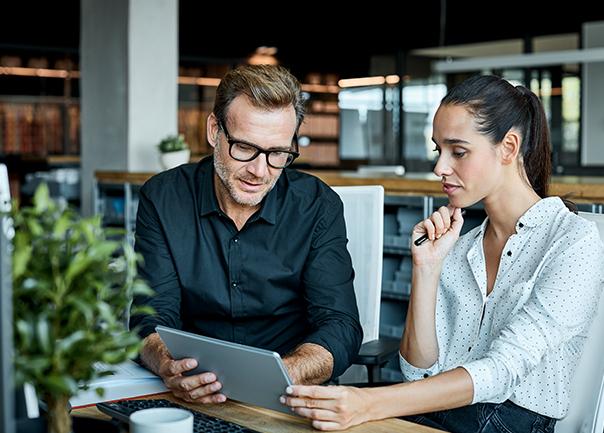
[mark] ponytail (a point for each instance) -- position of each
(536, 145)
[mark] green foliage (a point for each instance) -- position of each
(72, 290)
(172, 143)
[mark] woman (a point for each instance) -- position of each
(497, 318)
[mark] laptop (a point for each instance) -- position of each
(248, 374)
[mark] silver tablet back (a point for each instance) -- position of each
(248, 374)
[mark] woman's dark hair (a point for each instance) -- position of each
(497, 107)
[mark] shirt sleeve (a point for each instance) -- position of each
(328, 283)
(157, 269)
(412, 373)
(562, 305)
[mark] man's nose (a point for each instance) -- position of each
(259, 165)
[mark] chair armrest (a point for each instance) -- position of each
(377, 352)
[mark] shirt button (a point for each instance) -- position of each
(234, 284)
(236, 240)
(426, 375)
(520, 225)
(470, 349)
(509, 253)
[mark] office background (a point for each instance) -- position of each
(90, 87)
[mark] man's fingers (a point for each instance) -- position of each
(176, 367)
(204, 398)
(189, 383)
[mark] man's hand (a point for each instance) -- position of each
(198, 388)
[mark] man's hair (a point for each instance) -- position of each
(266, 86)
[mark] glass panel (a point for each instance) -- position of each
(420, 102)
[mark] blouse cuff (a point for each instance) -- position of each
(412, 373)
(482, 379)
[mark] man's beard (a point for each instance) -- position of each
(224, 175)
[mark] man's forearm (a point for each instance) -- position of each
(154, 352)
(309, 364)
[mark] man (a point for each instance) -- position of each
(240, 248)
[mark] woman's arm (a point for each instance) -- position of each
(419, 346)
(340, 407)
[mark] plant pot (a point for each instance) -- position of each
(174, 159)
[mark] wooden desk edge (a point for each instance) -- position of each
(265, 420)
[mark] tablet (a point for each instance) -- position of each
(248, 374)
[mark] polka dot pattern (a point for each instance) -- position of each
(527, 343)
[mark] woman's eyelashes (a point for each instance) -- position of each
(457, 153)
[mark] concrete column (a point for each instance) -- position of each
(592, 112)
(129, 89)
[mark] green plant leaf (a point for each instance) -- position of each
(60, 384)
(72, 289)
(41, 198)
(43, 334)
(66, 344)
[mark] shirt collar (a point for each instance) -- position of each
(208, 203)
(539, 213)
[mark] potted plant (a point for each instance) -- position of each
(174, 151)
(72, 288)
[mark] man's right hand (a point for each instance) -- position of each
(198, 388)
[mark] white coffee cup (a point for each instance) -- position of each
(161, 420)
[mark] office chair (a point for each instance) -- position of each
(586, 412)
(364, 216)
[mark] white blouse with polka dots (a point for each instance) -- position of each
(534, 322)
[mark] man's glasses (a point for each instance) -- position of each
(244, 151)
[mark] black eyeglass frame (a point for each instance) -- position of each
(294, 153)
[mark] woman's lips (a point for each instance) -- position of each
(449, 188)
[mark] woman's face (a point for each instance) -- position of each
(468, 161)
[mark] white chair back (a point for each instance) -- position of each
(364, 216)
(586, 412)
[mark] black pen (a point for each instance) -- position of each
(423, 238)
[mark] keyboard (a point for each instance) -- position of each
(202, 423)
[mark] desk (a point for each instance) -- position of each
(269, 421)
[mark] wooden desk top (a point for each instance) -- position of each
(578, 188)
(269, 421)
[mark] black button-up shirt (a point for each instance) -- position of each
(284, 279)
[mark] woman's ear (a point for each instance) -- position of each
(212, 129)
(510, 146)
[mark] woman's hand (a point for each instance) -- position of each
(443, 228)
(329, 407)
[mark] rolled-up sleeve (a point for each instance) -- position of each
(561, 306)
(412, 373)
(328, 283)
(157, 269)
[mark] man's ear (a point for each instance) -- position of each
(212, 129)
(510, 146)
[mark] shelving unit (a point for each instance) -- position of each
(44, 125)
(408, 200)
(50, 124)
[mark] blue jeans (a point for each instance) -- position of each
(505, 417)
